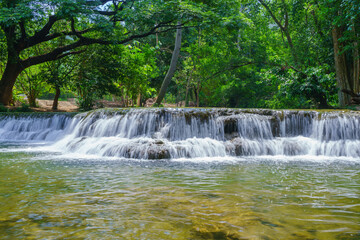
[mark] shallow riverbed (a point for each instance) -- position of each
(50, 196)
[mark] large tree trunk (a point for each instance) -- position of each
(138, 100)
(187, 93)
(356, 68)
(292, 48)
(171, 72)
(342, 75)
(188, 87)
(198, 94)
(56, 98)
(12, 71)
(32, 99)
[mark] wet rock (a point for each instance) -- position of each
(235, 147)
(215, 235)
(270, 224)
(158, 152)
(348, 236)
(230, 126)
(292, 148)
(159, 142)
(275, 126)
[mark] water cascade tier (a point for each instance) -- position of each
(27, 127)
(191, 133)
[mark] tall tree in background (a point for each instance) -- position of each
(345, 34)
(173, 64)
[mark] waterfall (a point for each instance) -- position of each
(191, 133)
(34, 127)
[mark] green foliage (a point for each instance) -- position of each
(86, 101)
(123, 71)
(30, 83)
(24, 108)
(169, 98)
(313, 88)
(3, 108)
(133, 67)
(12, 12)
(234, 54)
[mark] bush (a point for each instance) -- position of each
(3, 108)
(86, 103)
(24, 108)
(312, 88)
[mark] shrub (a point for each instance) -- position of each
(24, 108)
(3, 108)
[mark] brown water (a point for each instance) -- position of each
(42, 197)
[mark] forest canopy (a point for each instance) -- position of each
(228, 53)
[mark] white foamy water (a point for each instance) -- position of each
(191, 134)
(34, 128)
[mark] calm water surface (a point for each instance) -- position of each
(43, 196)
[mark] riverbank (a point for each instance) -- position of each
(71, 106)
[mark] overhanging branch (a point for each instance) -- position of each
(229, 69)
(272, 15)
(64, 51)
(70, 53)
(45, 30)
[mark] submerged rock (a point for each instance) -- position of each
(235, 147)
(158, 152)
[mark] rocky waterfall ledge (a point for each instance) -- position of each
(189, 133)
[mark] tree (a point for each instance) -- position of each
(172, 68)
(345, 27)
(31, 83)
(29, 23)
(57, 74)
(282, 23)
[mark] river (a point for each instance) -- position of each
(62, 177)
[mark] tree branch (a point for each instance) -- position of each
(105, 13)
(317, 25)
(351, 93)
(54, 36)
(40, 35)
(53, 55)
(286, 16)
(72, 24)
(46, 29)
(283, 67)
(61, 52)
(229, 69)
(122, 5)
(272, 15)
(150, 32)
(22, 30)
(70, 53)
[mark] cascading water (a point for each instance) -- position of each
(191, 133)
(34, 127)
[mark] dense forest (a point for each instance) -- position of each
(203, 53)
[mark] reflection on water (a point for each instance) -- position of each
(43, 198)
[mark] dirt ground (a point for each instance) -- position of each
(70, 105)
(64, 106)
